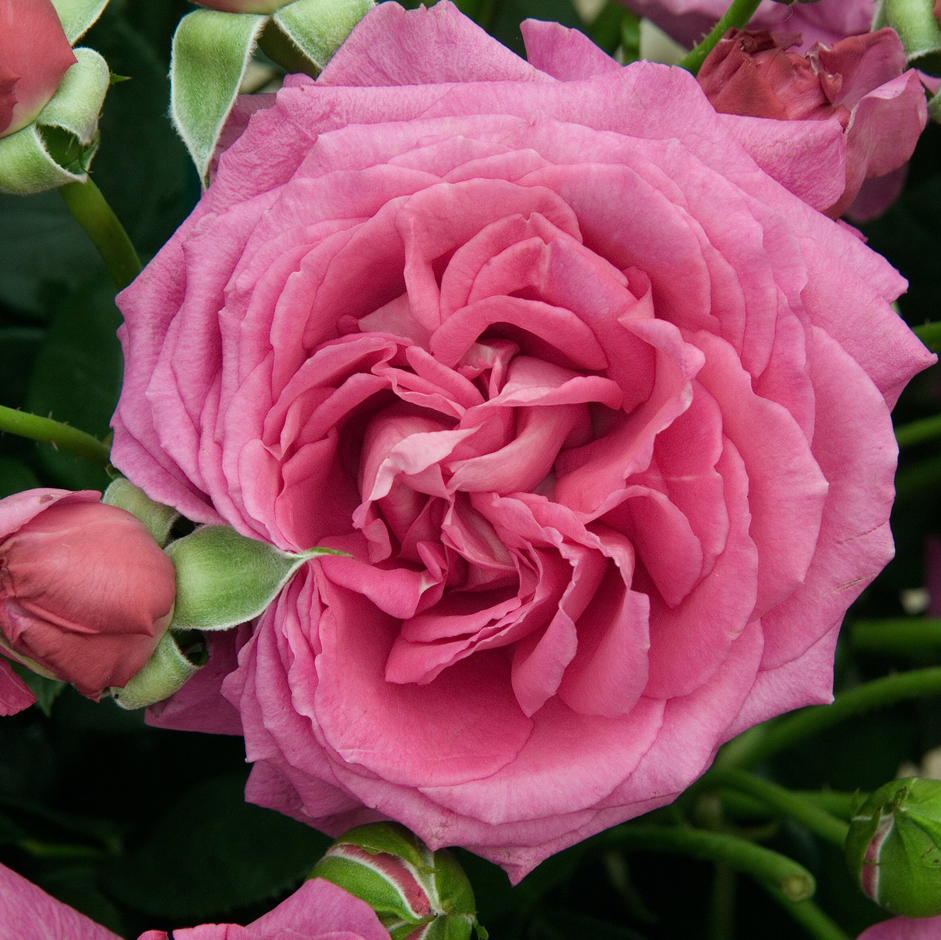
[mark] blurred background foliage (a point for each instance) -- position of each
(143, 828)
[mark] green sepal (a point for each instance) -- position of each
(899, 829)
(319, 27)
(26, 166)
(211, 51)
(437, 874)
(167, 670)
(934, 108)
(224, 579)
(389, 839)
(919, 30)
(77, 102)
(453, 887)
(368, 885)
(158, 518)
(57, 148)
(78, 16)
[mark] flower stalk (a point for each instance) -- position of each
(96, 217)
(784, 801)
(60, 435)
(735, 17)
(764, 741)
(771, 868)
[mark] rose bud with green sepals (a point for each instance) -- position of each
(85, 592)
(894, 847)
(34, 56)
(418, 894)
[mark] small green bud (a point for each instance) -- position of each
(894, 847)
(418, 894)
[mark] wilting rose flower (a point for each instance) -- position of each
(85, 591)
(318, 910)
(826, 21)
(904, 928)
(599, 410)
(34, 55)
(861, 83)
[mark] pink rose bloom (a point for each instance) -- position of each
(826, 21)
(599, 410)
(318, 910)
(85, 591)
(904, 928)
(861, 83)
(34, 55)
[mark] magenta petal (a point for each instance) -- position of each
(14, 693)
(28, 913)
(565, 54)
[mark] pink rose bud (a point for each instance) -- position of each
(34, 55)
(85, 591)
(861, 83)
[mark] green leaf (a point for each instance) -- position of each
(224, 579)
(213, 852)
(40, 243)
(15, 477)
(78, 15)
(77, 377)
(319, 27)
(45, 689)
(211, 51)
(568, 925)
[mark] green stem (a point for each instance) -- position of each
(929, 333)
(54, 432)
(775, 870)
(751, 749)
(916, 432)
(735, 17)
(722, 906)
(93, 213)
(809, 916)
(907, 635)
(785, 801)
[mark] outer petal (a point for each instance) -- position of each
(28, 913)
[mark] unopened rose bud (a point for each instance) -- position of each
(85, 591)
(894, 847)
(418, 894)
(34, 56)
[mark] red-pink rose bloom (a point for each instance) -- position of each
(244, 6)
(34, 55)
(904, 928)
(318, 910)
(861, 83)
(85, 591)
(826, 21)
(599, 410)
